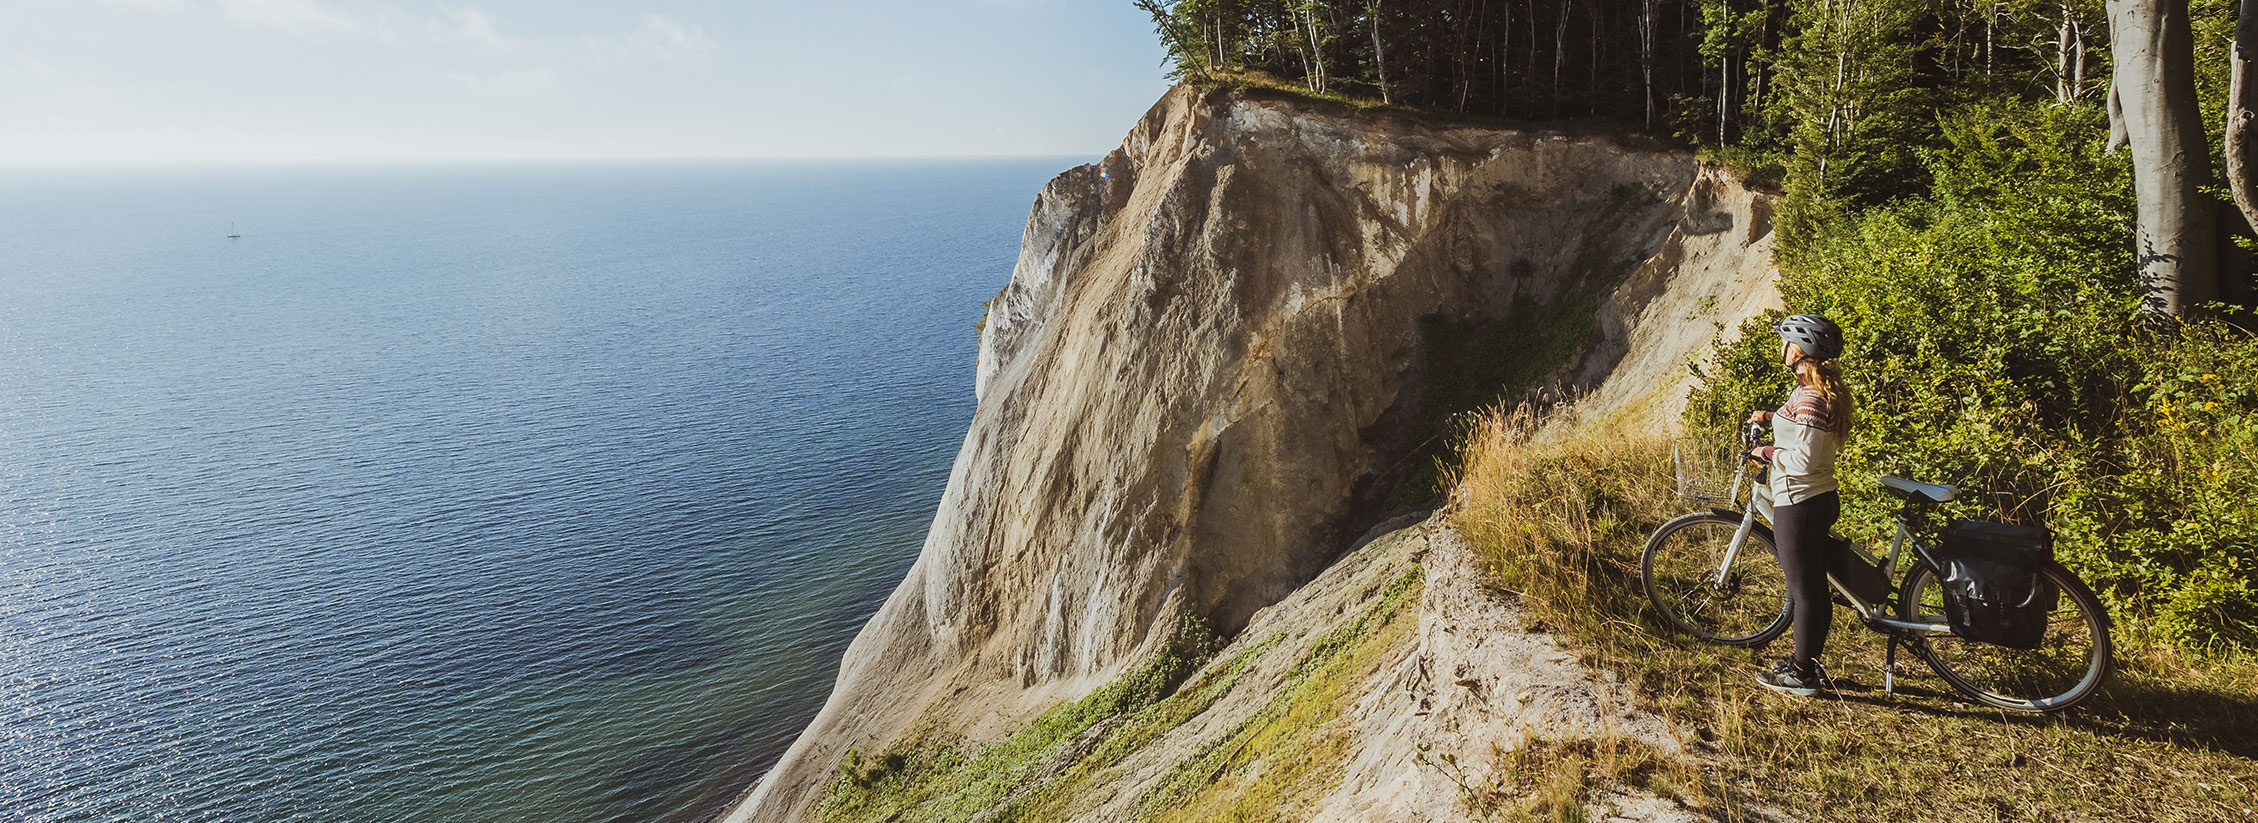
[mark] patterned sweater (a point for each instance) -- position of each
(1806, 436)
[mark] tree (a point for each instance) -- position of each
(2155, 104)
(1850, 86)
(2242, 98)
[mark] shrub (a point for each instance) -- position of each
(1996, 342)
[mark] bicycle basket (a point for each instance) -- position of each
(1706, 467)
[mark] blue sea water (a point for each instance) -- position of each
(464, 494)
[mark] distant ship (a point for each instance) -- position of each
(231, 232)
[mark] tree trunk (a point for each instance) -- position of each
(2242, 99)
(2155, 86)
(1591, 80)
(1646, 67)
(1559, 55)
(1461, 48)
(2117, 137)
(1379, 52)
(1301, 47)
(1505, 59)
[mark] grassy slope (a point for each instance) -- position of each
(1284, 755)
(2172, 737)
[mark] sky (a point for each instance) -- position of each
(225, 82)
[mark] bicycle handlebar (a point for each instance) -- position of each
(1750, 440)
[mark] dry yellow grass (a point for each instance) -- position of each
(1561, 521)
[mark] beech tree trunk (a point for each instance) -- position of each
(1379, 52)
(2242, 99)
(1559, 54)
(1646, 68)
(2155, 90)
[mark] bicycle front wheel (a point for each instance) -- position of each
(2073, 657)
(1684, 570)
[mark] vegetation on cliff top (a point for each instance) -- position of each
(1950, 197)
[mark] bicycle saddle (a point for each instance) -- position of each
(1935, 492)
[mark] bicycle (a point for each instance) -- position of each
(1701, 574)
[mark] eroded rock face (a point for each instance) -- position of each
(1218, 350)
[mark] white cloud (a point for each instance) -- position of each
(147, 5)
(664, 37)
(470, 24)
(519, 81)
(34, 66)
(303, 17)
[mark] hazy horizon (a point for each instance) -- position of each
(232, 83)
(438, 163)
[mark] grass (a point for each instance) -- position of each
(1275, 759)
(929, 779)
(1288, 754)
(2173, 736)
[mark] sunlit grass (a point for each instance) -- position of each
(1561, 522)
(1283, 756)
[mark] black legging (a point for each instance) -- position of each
(1806, 553)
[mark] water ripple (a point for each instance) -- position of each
(544, 494)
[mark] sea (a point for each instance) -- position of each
(464, 493)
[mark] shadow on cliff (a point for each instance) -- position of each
(1526, 351)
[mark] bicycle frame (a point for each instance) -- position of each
(1904, 615)
(1759, 505)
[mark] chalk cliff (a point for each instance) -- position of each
(1220, 357)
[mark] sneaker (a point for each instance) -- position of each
(1799, 678)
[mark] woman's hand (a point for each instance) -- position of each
(1764, 453)
(1759, 417)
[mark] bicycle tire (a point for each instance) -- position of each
(2073, 659)
(1749, 607)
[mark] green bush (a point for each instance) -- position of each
(1995, 342)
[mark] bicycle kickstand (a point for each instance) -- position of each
(1889, 668)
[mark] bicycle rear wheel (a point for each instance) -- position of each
(1683, 571)
(2072, 660)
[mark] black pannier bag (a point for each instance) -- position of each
(1854, 573)
(1995, 587)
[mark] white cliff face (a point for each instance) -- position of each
(1219, 347)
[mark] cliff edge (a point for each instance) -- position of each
(1221, 357)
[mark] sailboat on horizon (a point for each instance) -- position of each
(231, 230)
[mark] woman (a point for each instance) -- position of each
(1806, 433)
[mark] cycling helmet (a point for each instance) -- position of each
(1818, 337)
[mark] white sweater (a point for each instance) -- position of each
(1804, 440)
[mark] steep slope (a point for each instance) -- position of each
(1221, 350)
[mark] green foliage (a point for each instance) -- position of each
(939, 780)
(1849, 89)
(1995, 342)
(1293, 737)
(1043, 771)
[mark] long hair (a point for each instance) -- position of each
(1825, 377)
